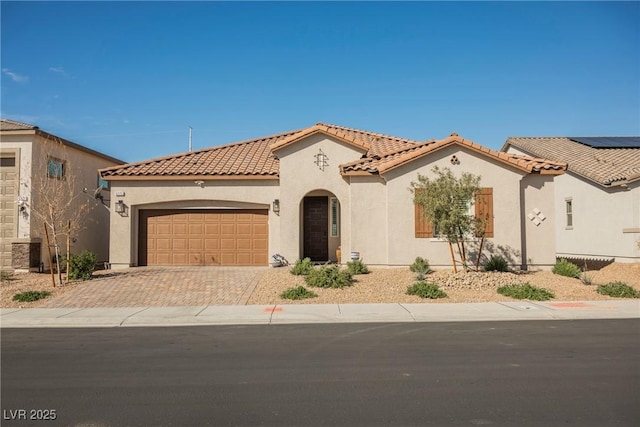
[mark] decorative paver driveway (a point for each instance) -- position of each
(164, 287)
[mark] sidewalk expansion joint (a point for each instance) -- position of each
(71, 312)
(408, 311)
(133, 314)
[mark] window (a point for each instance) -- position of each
(103, 183)
(335, 217)
(569, 212)
(8, 160)
(482, 209)
(55, 168)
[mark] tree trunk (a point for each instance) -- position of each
(46, 233)
(453, 258)
(479, 253)
(68, 250)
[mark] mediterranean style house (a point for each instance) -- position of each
(309, 192)
(30, 159)
(597, 202)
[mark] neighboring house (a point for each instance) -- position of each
(305, 193)
(29, 157)
(597, 202)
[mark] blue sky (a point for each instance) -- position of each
(129, 78)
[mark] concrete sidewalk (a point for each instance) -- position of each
(310, 313)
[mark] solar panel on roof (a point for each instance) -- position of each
(608, 141)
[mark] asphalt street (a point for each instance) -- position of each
(525, 373)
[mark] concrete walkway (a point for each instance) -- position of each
(329, 313)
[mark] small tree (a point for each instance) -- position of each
(60, 204)
(446, 201)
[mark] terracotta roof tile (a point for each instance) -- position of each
(604, 166)
(255, 157)
(398, 158)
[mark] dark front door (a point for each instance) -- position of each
(316, 227)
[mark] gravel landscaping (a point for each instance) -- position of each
(382, 285)
(389, 285)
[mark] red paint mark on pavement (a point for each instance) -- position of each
(569, 304)
(272, 310)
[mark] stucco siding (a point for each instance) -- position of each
(600, 218)
(215, 194)
(505, 181)
(300, 176)
(369, 219)
(538, 220)
(606, 221)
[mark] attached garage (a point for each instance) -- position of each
(203, 237)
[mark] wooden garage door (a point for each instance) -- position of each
(203, 237)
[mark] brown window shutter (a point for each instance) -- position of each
(484, 209)
(423, 228)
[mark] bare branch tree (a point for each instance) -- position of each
(58, 201)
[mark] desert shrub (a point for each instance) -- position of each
(357, 267)
(328, 276)
(525, 291)
(496, 263)
(81, 266)
(618, 290)
(6, 276)
(299, 292)
(30, 296)
(426, 290)
(420, 266)
(586, 278)
(302, 267)
(566, 268)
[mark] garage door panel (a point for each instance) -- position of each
(227, 244)
(175, 237)
(243, 244)
(228, 229)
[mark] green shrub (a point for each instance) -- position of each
(426, 290)
(525, 291)
(496, 263)
(30, 296)
(618, 290)
(82, 265)
(329, 276)
(357, 267)
(566, 268)
(302, 267)
(420, 266)
(6, 276)
(298, 293)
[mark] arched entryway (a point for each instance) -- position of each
(320, 213)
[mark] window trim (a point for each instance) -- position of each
(568, 213)
(63, 168)
(334, 217)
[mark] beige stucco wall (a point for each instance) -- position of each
(505, 181)
(369, 218)
(215, 194)
(606, 221)
(539, 233)
(83, 169)
(300, 177)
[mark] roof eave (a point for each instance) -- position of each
(190, 177)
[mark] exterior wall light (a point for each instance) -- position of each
(120, 207)
(276, 206)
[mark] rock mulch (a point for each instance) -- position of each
(388, 285)
(382, 285)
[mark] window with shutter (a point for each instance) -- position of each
(484, 209)
(423, 228)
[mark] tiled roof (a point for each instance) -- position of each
(394, 159)
(247, 158)
(255, 158)
(6, 124)
(605, 166)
